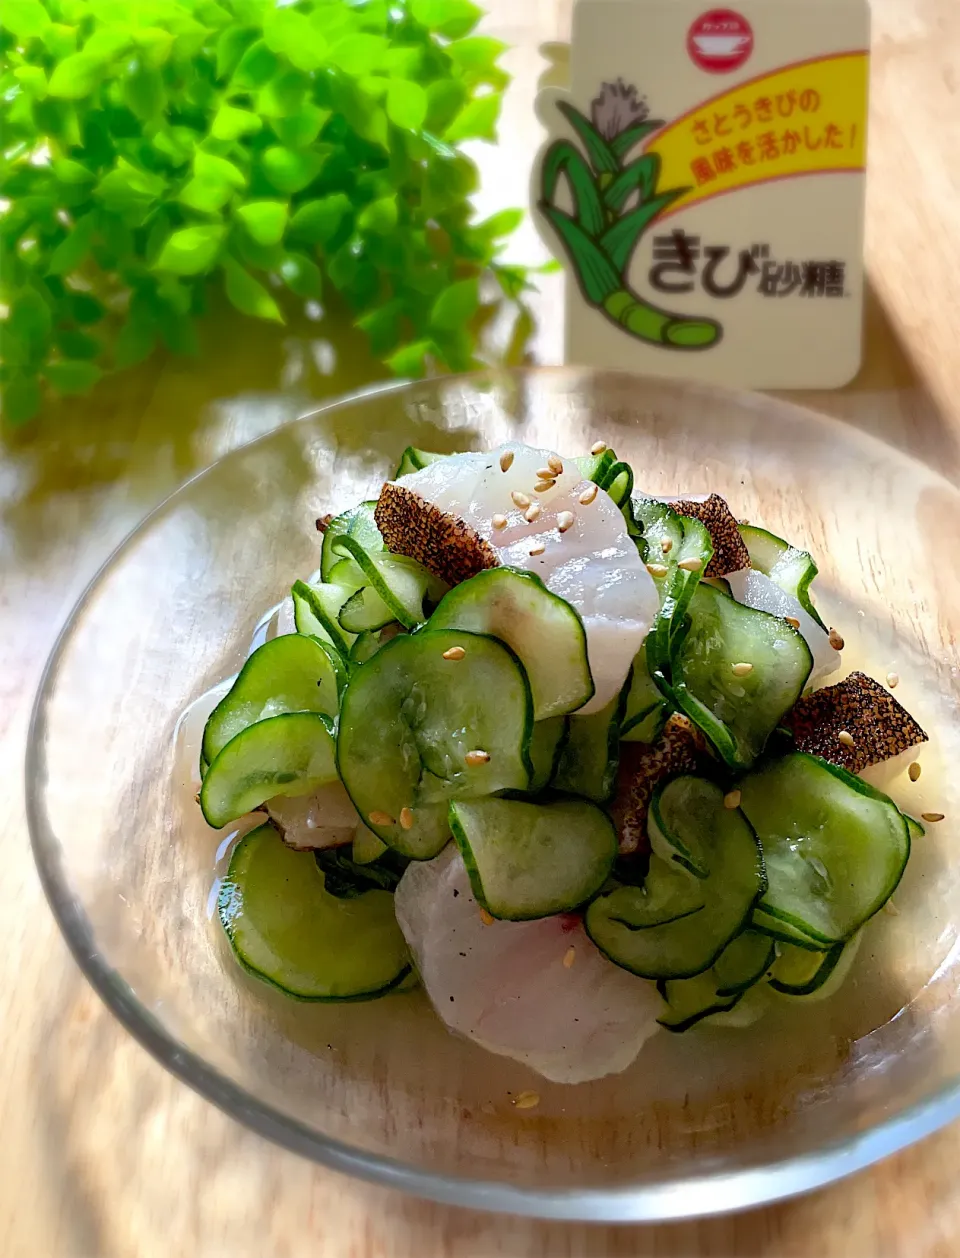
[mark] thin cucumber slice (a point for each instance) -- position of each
(743, 962)
(835, 848)
(677, 590)
(366, 846)
(292, 754)
(917, 831)
(645, 710)
(783, 932)
(364, 610)
(736, 713)
(618, 483)
(286, 929)
(649, 727)
(347, 572)
(791, 569)
(365, 647)
(813, 976)
(414, 460)
(288, 674)
(596, 467)
(659, 523)
(546, 747)
(543, 629)
(316, 613)
(619, 923)
(591, 754)
(533, 860)
(409, 718)
(690, 1000)
(358, 522)
(400, 582)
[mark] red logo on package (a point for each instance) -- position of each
(720, 41)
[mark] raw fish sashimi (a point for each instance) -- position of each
(511, 992)
(755, 589)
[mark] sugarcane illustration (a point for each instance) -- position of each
(600, 237)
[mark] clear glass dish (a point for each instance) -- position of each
(709, 1121)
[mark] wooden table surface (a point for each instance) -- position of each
(104, 1155)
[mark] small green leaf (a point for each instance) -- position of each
(249, 296)
(453, 18)
(75, 344)
(136, 339)
(230, 123)
(476, 59)
(106, 44)
(456, 305)
(264, 220)
(29, 317)
(20, 397)
(25, 18)
(379, 216)
(33, 81)
(477, 120)
(257, 65)
(283, 94)
(72, 375)
(126, 186)
(208, 166)
(70, 172)
(70, 252)
(410, 360)
(300, 129)
(503, 223)
(302, 276)
(317, 222)
(154, 44)
(76, 77)
(289, 170)
(406, 104)
(231, 45)
(359, 54)
(143, 92)
(190, 250)
(85, 308)
(207, 196)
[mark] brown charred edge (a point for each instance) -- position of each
(444, 544)
(730, 552)
(880, 727)
(323, 522)
(643, 767)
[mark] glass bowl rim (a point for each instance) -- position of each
(709, 1194)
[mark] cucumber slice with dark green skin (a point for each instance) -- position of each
(644, 710)
(316, 613)
(544, 631)
(690, 1000)
(533, 860)
(721, 840)
(618, 483)
(917, 831)
(546, 747)
(813, 976)
(346, 572)
(649, 727)
(791, 569)
(408, 719)
(677, 590)
(287, 930)
(358, 522)
(590, 756)
(365, 647)
(288, 674)
(596, 467)
(291, 754)
(414, 460)
(366, 846)
(737, 714)
(363, 611)
(783, 932)
(835, 848)
(744, 961)
(401, 583)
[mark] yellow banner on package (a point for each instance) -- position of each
(803, 119)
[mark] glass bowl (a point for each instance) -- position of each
(709, 1121)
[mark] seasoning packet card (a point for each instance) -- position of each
(703, 186)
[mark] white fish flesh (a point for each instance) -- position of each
(505, 985)
(327, 818)
(755, 589)
(594, 564)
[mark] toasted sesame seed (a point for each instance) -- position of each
(499, 521)
(546, 473)
(555, 463)
(506, 461)
(486, 918)
(542, 486)
(519, 499)
(569, 957)
(932, 816)
(473, 758)
(914, 771)
(893, 680)
(657, 569)
(742, 670)
(526, 1100)
(538, 549)
(792, 620)
(565, 520)
(666, 545)
(690, 565)
(406, 818)
(846, 738)
(380, 818)
(892, 909)
(732, 799)
(835, 640)
(454, 653)
(598, 447)
(588, 495)
(532, 512)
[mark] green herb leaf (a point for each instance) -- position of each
(76, 77)
(72, 375)
(264, 220)
(302, 276)
(300, 129)
(247, 294)
(290, 170)
(453, 18)
(230, 123)
(455, 306)
(411, 359)
(317, 222)
(379, 216)
(406, 104)
(477, 120)
(20, 397)
(190, 250)
(25, 18)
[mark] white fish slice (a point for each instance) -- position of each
(755, 589)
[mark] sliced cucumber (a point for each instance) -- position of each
(736, 713)
(834, 847)
(288, 674)
(659, 524)
(546, 747)
(690, 1000)
(783, 932)
(542, 628)
(363, 611)
(533, 860)
(813, 976)
(596, 467)
(743, 962)
(409, 718)
(358, 522)
(347, 572)
(917, 831)
(316, 613)
(677, 590)
(400, 582)
(591, 754)
(286, 929)
(645, 710)
(414, 460)
(684, 944)
(791, 569)
(291, 754)
(618, 482)
(366, 846)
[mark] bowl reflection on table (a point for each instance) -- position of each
(707, 1121)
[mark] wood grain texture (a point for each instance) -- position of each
(105, 1155)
